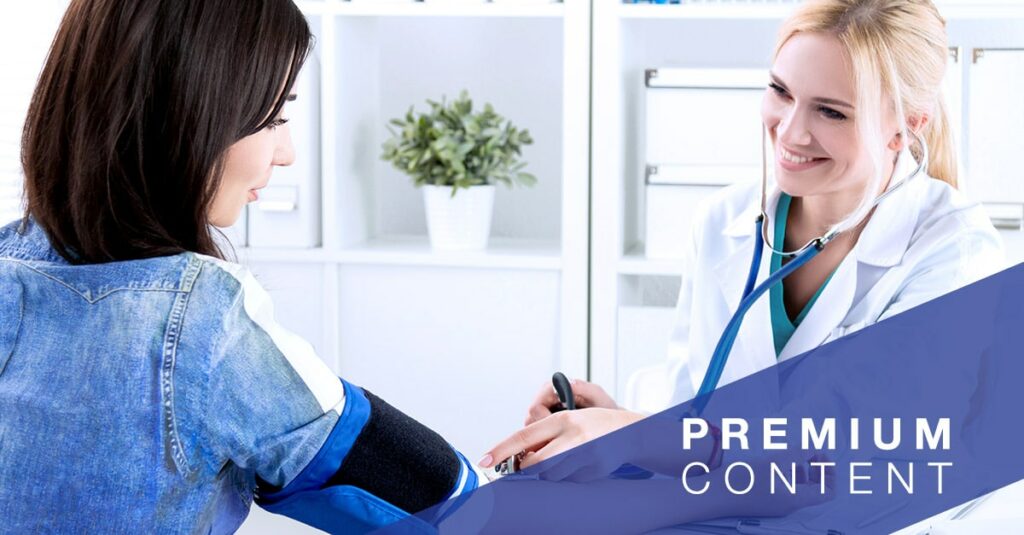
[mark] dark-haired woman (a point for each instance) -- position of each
(144, 384)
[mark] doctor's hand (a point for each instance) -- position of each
(587, 395)
(559, 432)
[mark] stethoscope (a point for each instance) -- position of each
(799, 257)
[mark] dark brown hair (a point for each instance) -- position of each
(134, 111)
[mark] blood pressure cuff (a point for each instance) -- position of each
(376, 467)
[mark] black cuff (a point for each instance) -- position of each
(399, 460)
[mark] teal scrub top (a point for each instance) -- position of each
(782, 326)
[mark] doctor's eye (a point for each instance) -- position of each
(829, 113)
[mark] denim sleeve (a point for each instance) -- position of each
(267, 402)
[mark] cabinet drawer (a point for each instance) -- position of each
(705, 122)
(670, 210)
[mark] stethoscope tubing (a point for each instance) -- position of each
(750, 295)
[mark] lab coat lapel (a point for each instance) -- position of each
(754, 347)
(827, 312)
(882, 244)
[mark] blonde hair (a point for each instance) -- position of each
(897, 48)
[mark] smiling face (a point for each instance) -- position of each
(248, 165)
(809, 111)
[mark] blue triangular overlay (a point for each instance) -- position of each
(958, 359)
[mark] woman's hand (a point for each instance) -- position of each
(587, 395)
(557, 433)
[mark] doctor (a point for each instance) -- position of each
(853, 91)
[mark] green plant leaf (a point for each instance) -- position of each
(450, 145)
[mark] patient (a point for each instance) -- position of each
(145, 385)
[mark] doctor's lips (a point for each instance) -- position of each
(796, 162)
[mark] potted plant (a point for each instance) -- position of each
(457, 156)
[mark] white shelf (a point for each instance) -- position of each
(314, 7)
(501, 253)
(281, 255)
(426, 9)
(705, 11)
(969, 9)
(635, 263)
(951, 9)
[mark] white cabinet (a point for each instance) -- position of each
(462, 350)
(296, 290)
(719, 38)
(461, 341)
(531, 63)
(996, 112)
(382, 283)
(669, 213)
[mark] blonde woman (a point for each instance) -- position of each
(852, 100)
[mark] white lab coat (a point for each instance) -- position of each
(924, 240)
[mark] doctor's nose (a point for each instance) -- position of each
(792, 129)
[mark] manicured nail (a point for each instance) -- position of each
(486, 461)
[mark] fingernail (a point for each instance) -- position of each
(486, 461)
(575, 381)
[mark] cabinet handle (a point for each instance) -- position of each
(978, 53)
(1008, 223)
(277, 206)
(1006, 216)
(649, 171)
(279, 199)
(649, 75)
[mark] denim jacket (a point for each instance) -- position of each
(147, 396)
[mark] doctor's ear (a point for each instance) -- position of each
(916, 124)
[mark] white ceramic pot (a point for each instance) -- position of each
(462, 222)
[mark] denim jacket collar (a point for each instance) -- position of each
(26, 240)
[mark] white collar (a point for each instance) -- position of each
(887, 234)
